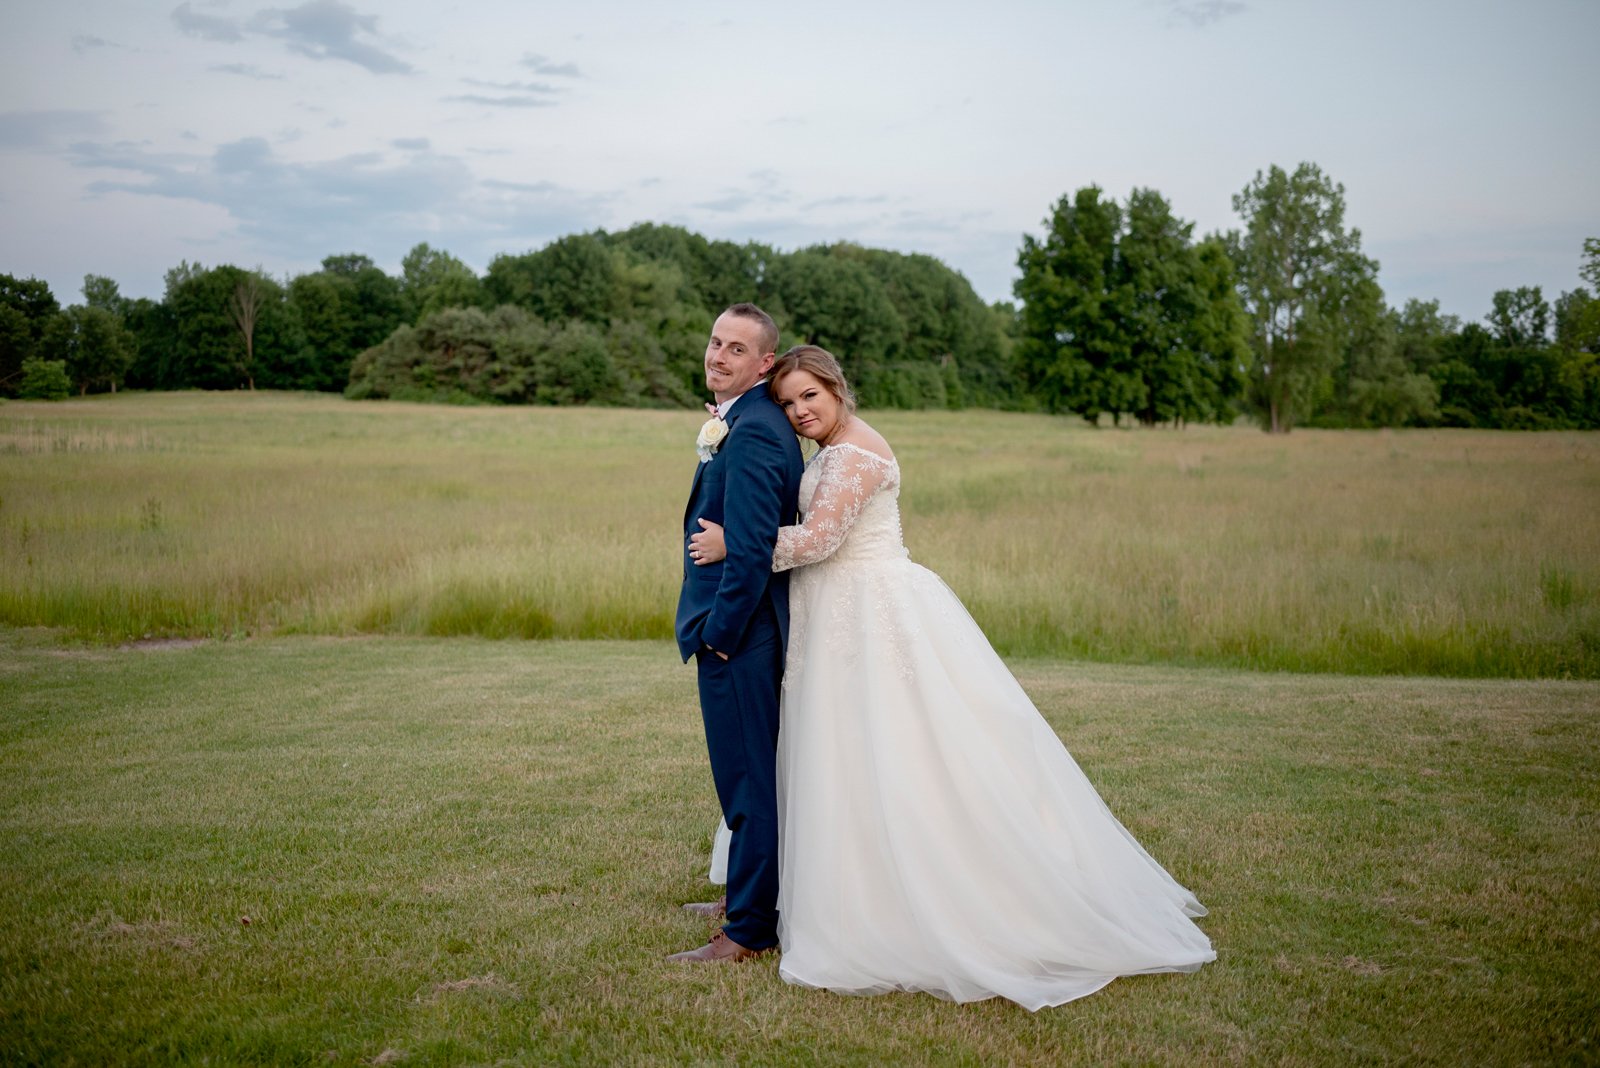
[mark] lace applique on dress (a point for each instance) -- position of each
(849, 497)
(842, 479)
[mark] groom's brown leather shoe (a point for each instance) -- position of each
(720, 950)
(711, 910)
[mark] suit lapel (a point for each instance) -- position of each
(756, 394)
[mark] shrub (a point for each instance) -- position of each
(44, 380)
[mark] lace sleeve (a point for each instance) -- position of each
(849, 478)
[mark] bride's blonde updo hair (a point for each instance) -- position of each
(818, 362)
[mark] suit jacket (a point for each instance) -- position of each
(750, 486)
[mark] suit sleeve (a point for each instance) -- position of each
(752, 512)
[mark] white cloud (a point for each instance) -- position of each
(328, 29)
(298, 210)
(541, 65)
(44, 129)
(84, 42)
(1205, 12)
(500, 101)
(208, 27)
(246, 70)
(317, 29)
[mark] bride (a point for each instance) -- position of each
(934, 834)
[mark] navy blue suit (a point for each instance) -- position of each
(740, 607)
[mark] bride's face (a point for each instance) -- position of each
(813, 410)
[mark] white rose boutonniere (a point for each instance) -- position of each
(711, 435)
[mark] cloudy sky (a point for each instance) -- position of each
(134, 135)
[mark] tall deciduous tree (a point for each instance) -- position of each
(26, 309)
(1520, 317)
(432, 279)
(715, 273)
(102, 292)
(1577, 316)
(1074, 351)
(1123, 313)
(244, 309)
(1296, 262)
(1420, 331)
(347, 307)
(834, 301)
(94, 344)
(1221, 336)
(92, 339)
(948, 335)
(202, 344)
(573, 277)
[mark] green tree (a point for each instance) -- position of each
(1520, 317)
(505, 355)
(151, 324)
(1507, 378)
(102, 292)
(951, 346)
(1123, 313)
(1371, 382)
(1073, 350)
(450, 354)
(1293, 261)
(26, 309)
(207, 311)
(572, 277)
(822, 299)
(432, 279)
(93, 344)
(1221, 336)
(1590, 269)
(44, 380)
(656, 366)
(715, 273)
(1463, 374)
(95, 340)
(1577, 317)
(347, 307)
(1420, 331)
(575, 367)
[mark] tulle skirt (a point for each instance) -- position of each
(935, 834)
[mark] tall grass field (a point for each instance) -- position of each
(1457, 553)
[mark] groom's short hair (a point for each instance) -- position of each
(769, 329)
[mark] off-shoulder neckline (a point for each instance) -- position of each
(889, 461)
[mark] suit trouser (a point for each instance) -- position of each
(739, 704)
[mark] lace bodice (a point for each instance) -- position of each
(850, 500)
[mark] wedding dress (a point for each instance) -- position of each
(934, 833)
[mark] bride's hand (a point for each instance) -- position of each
(707, 547)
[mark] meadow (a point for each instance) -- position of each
(269, 796)
(1450, 552)
(365, 851)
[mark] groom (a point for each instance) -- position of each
(733, 617)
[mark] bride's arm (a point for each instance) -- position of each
(846, 484)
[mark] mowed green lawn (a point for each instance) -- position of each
(1461, 553)
(344, 851)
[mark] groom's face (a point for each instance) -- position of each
(734, 360)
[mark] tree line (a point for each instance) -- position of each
(1121, 312)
